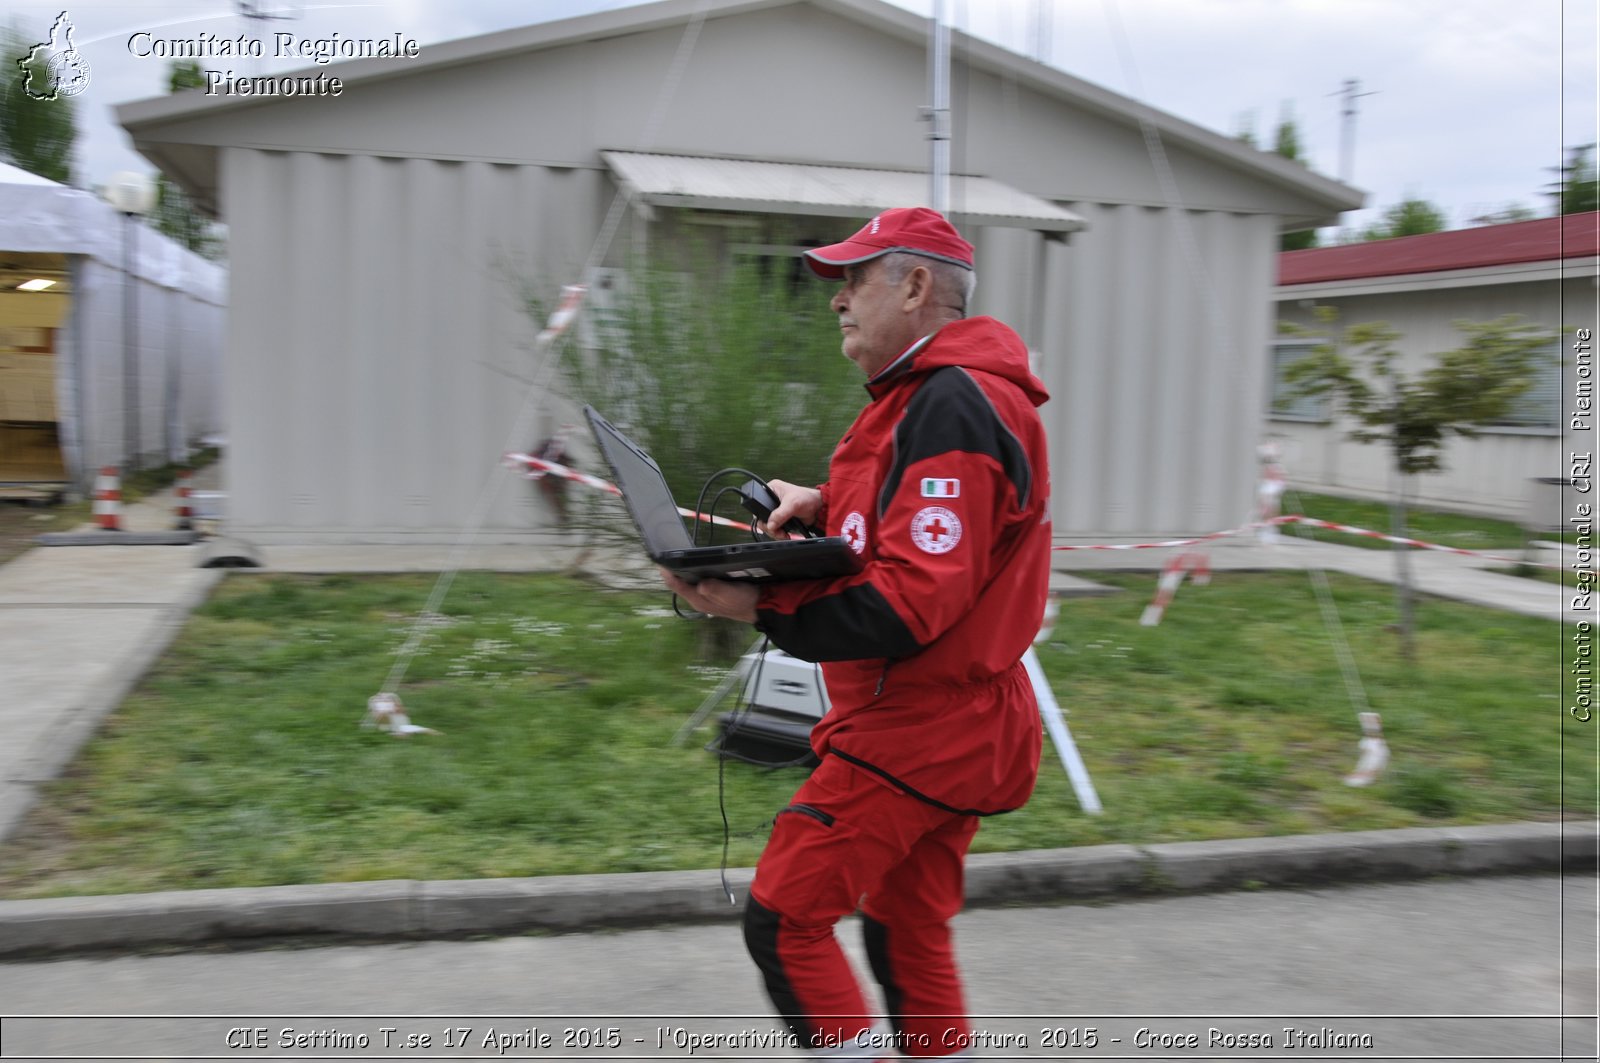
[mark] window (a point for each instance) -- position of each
(1540, 405)
(1285, 405)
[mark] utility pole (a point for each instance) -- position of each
(1347, 126)
(938, 115)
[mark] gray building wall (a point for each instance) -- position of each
(379, 408)
(377, 242)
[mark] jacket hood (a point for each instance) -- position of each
(980, 343)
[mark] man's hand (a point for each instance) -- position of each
(736, 601)
(793, 501)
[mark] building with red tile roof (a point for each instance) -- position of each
(1544, 270)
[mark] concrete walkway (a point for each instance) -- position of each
(80, 624)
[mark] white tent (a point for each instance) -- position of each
(134, 326)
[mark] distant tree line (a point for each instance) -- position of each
(1576, 191)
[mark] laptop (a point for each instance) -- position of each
(655, 514)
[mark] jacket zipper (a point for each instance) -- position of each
(882, 677)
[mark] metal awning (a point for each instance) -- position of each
(839, 191)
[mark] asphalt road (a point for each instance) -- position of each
(1451, 969)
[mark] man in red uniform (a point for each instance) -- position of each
(942, 486)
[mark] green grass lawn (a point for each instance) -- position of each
(239, 761)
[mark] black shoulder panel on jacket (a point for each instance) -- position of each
(951, 412)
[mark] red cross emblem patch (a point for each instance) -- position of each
(854, 531)
(935, 530)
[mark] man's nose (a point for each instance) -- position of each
(839, 302)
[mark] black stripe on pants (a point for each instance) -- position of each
(761, 938)
(875, 936)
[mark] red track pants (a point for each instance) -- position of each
(849, 841)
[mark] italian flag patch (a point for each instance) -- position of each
(932, 488)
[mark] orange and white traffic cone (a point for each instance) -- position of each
(108, 499)
(183, 511)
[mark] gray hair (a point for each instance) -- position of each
(952, 284)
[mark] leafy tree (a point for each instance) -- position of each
(1286, 142)
(1409, 217)
(1461, 391)
(708, 367)
(175, 214)
(35, 135)
(1579, 188)
(1245, 131)
(1506, 215)
(722, 367)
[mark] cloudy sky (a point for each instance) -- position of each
(1471, 101)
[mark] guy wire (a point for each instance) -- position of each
(1197, 269)
(545, 372)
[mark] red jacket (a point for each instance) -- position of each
(943, 481)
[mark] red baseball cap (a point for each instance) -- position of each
(915, 229)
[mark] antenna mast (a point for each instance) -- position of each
(1347, 128)
(938, 115)
(256, 12)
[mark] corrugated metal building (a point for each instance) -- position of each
(1544, 270)
(374, 236)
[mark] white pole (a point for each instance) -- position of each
(939, 113)
(1056, 724)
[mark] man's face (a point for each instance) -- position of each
(872, 317)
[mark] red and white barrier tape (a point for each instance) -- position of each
(1418, 543)
(1169, 543)
(539, 467)
(1374, 751)
(1312, 522)
(564, 314)
(1189, 563)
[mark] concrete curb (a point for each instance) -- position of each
(410, 909)
(118, 538)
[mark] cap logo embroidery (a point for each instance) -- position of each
(875, 223)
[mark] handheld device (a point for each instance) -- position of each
(760, 500)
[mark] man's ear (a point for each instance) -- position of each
(918, 288)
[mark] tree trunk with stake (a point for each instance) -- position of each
(1462, 390)
(1402, 574)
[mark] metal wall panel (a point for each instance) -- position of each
(1155, 415)
(378, 409)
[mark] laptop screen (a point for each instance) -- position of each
(643, 487)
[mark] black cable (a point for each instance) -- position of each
(699, 507)
(700, 512)
(728, 727)
(731, 722)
